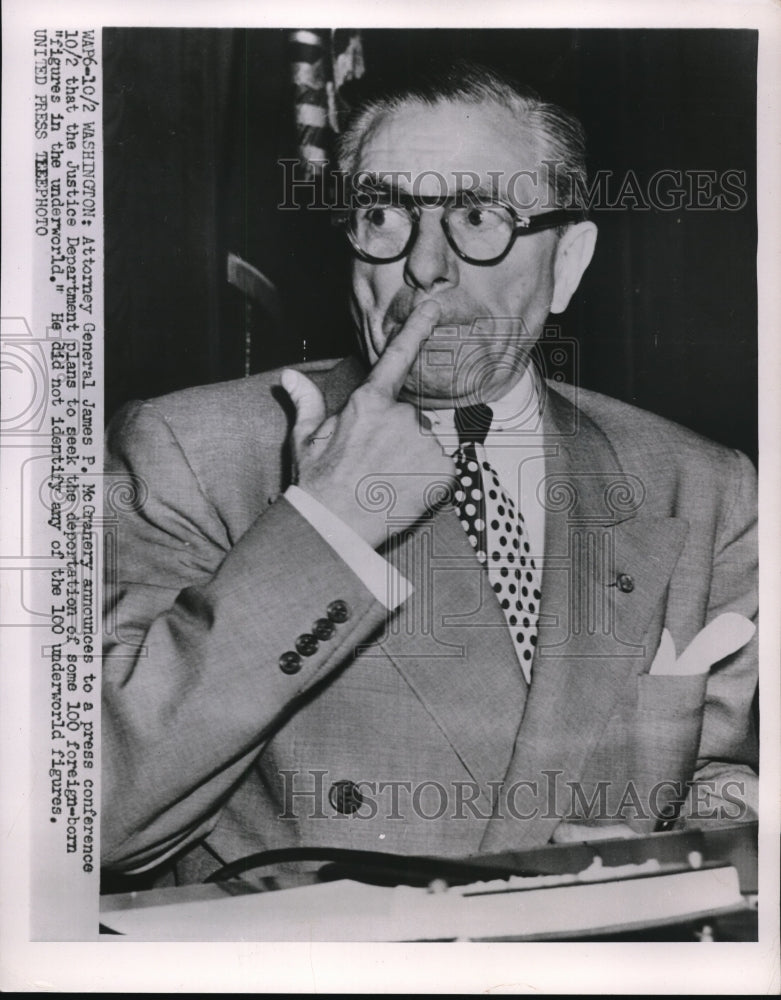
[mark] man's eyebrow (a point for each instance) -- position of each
(391, 191)
(483, 191)
(382, 188)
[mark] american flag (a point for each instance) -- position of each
(321, 62)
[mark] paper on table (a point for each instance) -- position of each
(723, 636)
(351, 911)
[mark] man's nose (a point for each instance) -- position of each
(431, 264)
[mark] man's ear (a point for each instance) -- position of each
(573, 255)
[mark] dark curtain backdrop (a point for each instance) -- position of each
(195, 121)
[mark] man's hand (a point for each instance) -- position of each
(374, 435)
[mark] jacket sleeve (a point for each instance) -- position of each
(195, 628)
(726, 780)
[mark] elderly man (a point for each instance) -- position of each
(430, 607)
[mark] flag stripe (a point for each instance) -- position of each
(311, 114)
(309, 95)
(306, 37)
(311, 136)
(309, 74)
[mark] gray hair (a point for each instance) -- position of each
(559, 132)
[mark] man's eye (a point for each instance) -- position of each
(385, 217)
(482, 217)
(376, 217)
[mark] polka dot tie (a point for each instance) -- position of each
(496, 531)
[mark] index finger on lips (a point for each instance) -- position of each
(394, 365)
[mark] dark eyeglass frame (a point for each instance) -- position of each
(525, 225)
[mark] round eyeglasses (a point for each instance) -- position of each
(480, 232)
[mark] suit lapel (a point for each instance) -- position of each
(605, 570)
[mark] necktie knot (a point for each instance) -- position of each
(473, 423)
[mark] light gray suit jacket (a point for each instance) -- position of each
(211, 751)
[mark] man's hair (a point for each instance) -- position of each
(560, 134)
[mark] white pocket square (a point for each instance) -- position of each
(723, 636)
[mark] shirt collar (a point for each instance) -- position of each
(519, 410)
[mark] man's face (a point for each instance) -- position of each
(490, 315)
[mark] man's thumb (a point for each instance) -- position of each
(308, 401)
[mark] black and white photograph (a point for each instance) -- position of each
(393, 403)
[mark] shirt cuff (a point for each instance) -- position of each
(383, 581)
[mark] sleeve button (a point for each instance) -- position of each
(338, 611)
(625, 583)
(290, 662)
(306, 644)
(323, 628)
